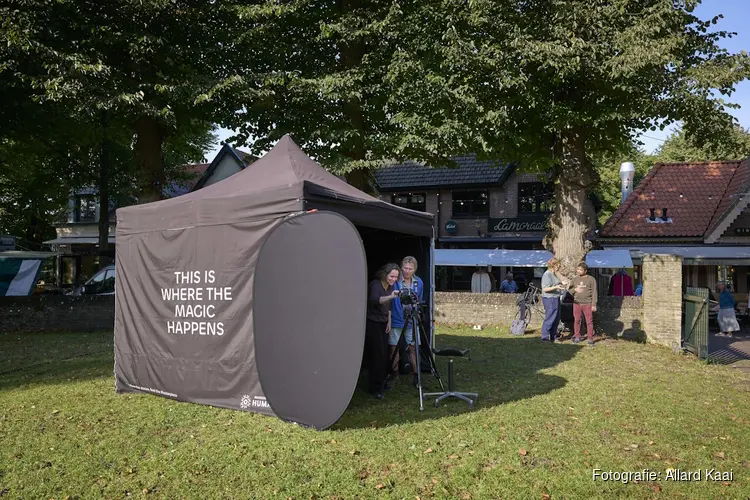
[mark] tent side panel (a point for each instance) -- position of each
(184, 306)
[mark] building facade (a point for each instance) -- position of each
(697, 210)
(478, 204)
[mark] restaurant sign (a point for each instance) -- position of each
(517, 225)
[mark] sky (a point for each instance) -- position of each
(732, 22)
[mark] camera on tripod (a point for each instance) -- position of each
(408, 297)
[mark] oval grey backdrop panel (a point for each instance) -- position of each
(310, 299)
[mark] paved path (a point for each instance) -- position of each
(733, 351)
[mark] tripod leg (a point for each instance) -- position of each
(430, 355)
(415, 334)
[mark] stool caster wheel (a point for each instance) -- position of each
(437, 404)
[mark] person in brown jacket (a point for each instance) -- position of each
(584, 303)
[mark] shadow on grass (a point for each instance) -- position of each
(54, 358)
(501, 370)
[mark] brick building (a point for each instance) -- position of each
(478, 205)
(699, 211)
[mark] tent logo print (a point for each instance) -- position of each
(256, 402)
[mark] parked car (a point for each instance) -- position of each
(102, 283)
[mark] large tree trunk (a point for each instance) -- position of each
(570, 224)
(104, 258)
(351, 58)
(148, 150)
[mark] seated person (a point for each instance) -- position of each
(508, 285)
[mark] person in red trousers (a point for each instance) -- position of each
(584, 303)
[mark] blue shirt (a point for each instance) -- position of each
(508, 287)
(726, 301)
(397, 309)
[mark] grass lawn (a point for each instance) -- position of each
(547, 416)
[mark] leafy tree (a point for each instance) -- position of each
(37, 176)
(555, 84)
(320, 77)
(551, 85)
(143, 63)
(733, 144)
(609, 185)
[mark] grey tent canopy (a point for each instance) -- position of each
(233, 296)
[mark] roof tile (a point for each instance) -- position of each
(412, 175)
(694, 195)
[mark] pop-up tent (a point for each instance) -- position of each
(251, 293)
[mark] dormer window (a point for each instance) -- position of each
(653, 219)
(85, 208)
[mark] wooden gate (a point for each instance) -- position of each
(695, 327)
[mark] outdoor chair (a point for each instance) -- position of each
(451, 353)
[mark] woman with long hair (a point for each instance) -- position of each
(379, 298)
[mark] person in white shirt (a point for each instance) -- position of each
(480, 281)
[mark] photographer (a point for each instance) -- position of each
(408, 284)
(379, 298)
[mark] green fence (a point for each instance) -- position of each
(695, 327)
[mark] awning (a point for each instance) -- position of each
(705, 255)
(77, 240)
(526, 258)
(609, 259)
(509, 258)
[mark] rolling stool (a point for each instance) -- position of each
(450, 393)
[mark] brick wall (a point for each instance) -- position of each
(57, 313)
(662, 298)
(616, 316)
(477, 308)
(621, 317)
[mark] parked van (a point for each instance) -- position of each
(102, 283)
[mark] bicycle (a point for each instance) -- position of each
(531, 300)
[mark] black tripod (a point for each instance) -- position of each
(412, 318)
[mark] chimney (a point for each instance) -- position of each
(664, 215)
(627, 172)
(653, 216)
